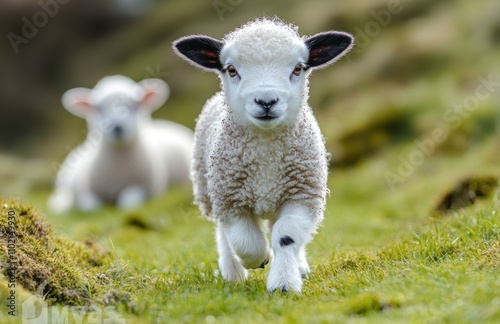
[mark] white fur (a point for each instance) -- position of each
(264, 57)
(290, 264)
(127, 157)
(248, 169)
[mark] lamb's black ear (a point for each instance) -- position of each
(201, 51)
(327, 47)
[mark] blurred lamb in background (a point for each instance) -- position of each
(127, 157)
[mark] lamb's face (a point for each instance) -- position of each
(117, 106)
(264, 67)
(264, 93)
(117, 117)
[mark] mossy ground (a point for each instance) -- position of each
(381, 256)
(59, 270)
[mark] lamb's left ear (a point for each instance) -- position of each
(201, 51)
(154, 94)
(327, 47)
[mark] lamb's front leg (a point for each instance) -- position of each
(88, 201)
(229, 264)
(293, 229)
(242, 244)
(131, 197)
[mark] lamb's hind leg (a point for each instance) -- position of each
(241, 243)
(293, 229)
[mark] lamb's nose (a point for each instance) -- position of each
(266, 104)
(118, 131)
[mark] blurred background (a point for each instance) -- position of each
(423, 77)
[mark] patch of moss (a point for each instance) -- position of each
(369, 302)
(466, 192)
(139, 221)
(367, 139)
(61, 270)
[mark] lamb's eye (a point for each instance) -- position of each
(231, 70)
(297, 70)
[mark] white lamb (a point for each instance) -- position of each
(127, 157)
(259, 154)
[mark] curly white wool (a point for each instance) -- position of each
(264, 40)
(237, 172)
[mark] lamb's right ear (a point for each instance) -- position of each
(155, 93)
(77, 101)
(201, 51)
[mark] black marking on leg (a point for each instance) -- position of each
(286, 240)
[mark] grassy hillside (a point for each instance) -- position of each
(412, 227)
(378, 258)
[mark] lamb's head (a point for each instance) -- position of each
(116, 106)
(264, 66)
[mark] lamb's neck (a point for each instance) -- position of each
(274, 134)
(122, 150)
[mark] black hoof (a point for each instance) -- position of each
(282, 289)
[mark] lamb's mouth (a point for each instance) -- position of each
(266, 118)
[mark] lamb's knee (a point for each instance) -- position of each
(290, 233)
(88, 202)
(230, 267)
(131, 197)
(252, 251)
(293, 229)
(61, 201)
(248, 242)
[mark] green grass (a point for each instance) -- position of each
(380, 256)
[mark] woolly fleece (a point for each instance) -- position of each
(239, 172)
(265, 40)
